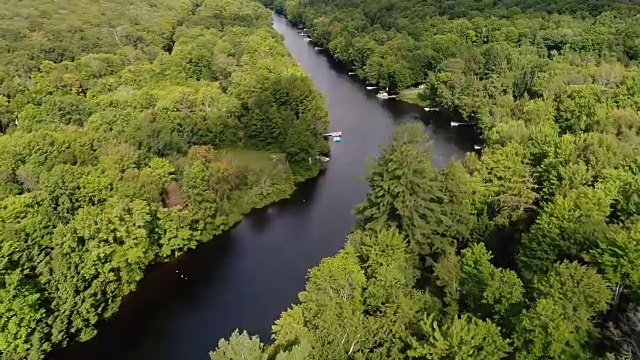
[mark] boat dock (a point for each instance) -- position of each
(384, 95)
(333, 134)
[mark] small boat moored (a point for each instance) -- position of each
(477, 147)
(434, 109)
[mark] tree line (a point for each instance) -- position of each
(527, 251)
(129, 133)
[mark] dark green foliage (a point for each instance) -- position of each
(405, 193)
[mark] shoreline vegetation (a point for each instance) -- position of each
(130, 132)
(527, 252)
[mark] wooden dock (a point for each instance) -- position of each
(333, 134)
(384, 95)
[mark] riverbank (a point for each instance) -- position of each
(409, 95)
(538, 213)
(132, 149)
(247, 276)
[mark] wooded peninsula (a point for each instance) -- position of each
(129, 133)
(530, 250)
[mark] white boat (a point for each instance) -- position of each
(371, 87)
(477, 147)
(318, 48)
(455, 123)
(351, 73)
(307, 39)
(436, 109)
(323, 158)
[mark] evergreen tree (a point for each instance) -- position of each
(405, 192)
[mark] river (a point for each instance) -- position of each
(247, 277)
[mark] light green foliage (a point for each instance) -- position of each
(459, 190)
(332, 304)
(359, 303)
(544, 333)
(126, 138)
(447, 274)
(617, 256)
(238, 347)
(489, 291)
(572, 224)
(464, 337)
(558, 326)
(507, 190)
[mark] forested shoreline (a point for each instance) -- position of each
(129, 133)
(528, 251)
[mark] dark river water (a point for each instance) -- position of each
(247, 277)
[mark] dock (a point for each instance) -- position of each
(333, 134)
(384, 95)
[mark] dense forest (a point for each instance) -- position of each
(530, 250)
(129, 133)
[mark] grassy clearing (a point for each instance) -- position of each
(411, 96)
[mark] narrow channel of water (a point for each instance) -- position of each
(247, 277)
